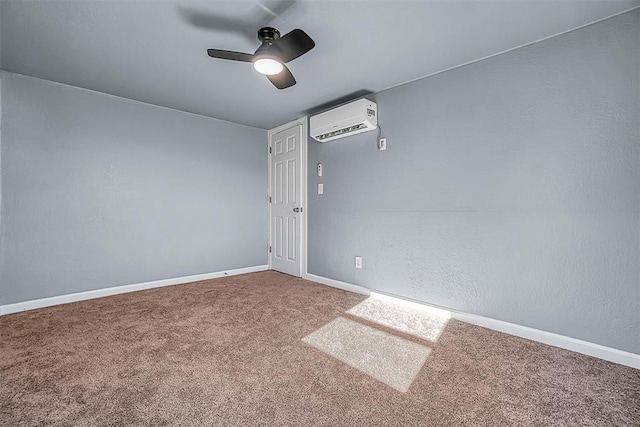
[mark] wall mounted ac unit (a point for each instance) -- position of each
(349, 119)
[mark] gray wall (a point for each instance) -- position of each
(510, 189)
(2, 286)
(100, 191)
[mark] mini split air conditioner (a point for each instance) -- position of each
(349, 119)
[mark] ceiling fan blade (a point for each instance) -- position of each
(283, 79)
(294, 44)
(229, 54)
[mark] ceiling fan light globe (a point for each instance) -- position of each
(268, 66)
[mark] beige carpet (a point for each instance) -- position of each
(230, 351)
(383, 356)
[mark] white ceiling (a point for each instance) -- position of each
(155, 51)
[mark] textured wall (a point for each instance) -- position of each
(2, 292)
(2, 286)
(100, 191)
(510, 189)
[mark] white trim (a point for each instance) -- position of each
(304, 143)
(579, 346)
(99, 293)
(337, 284)
(304, 171)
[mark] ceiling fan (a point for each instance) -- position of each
(273, 53)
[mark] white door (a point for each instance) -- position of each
(285, 157)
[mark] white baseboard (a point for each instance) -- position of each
(579, 346)
(99, 293)
(337, 284)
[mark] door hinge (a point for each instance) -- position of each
(269, 249)
(269, 150)
(269, 199)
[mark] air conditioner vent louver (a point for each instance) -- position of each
(342, 131)
(350, 119)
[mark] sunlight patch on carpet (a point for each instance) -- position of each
(405, 316)
(392, 360)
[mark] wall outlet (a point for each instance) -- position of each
(319, 169)
(359, 262)
(382, 144)
(320, 188)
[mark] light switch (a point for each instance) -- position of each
(320, 188)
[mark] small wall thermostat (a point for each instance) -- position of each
(319, 169)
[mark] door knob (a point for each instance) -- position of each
(296, 209)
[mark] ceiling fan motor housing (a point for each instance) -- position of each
(266, 34)
(268, 49)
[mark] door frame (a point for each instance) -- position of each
(304, 141)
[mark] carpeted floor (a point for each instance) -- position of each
(230, 352)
